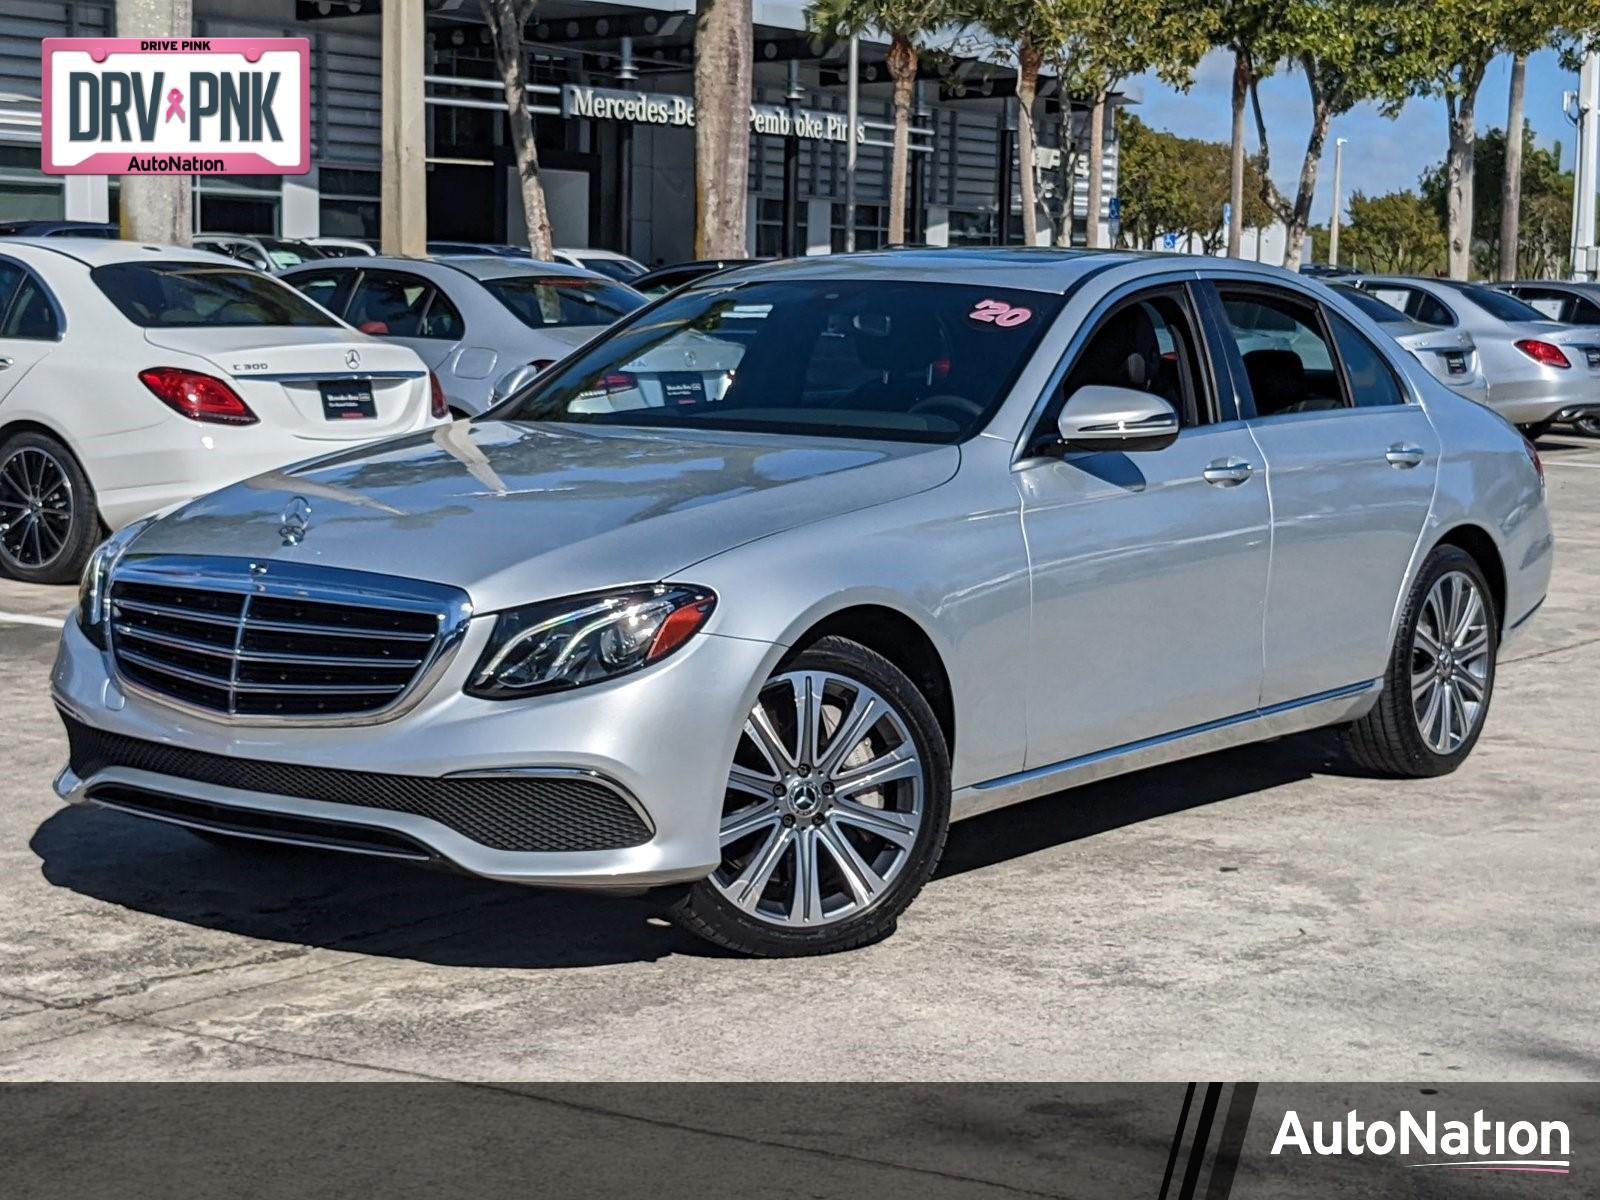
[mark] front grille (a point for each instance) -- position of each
(276, 642)
(506, 812)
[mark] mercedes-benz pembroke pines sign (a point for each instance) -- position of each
(177, 106)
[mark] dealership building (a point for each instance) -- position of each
(611, 99)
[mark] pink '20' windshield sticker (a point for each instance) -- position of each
(176, 106)
(998, 312)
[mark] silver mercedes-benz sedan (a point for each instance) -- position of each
(474, 321)
(1537, 369)
(955, 529)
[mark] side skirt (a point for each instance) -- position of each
(1293, 716)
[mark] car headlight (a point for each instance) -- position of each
(94, 589)
(567, 643)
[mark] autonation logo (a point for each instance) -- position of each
(1476, 1145)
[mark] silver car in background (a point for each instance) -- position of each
(1450, 355)
(962, 528)
(474, 321)
(1572, 302)
(1536, 368)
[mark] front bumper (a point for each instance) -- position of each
(662, 739)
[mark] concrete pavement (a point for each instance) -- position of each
(1262, 913)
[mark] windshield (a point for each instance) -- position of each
(1383, 314)
(903, 360)
(1498, 304)
(286, 254)
(620, 269)
(549, 301)
(186, 294)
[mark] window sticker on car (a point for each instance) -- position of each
(998, 312)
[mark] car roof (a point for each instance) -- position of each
(477, 266)
(1034, 268)
(594, 252)
(1585, 287)
(99, 252)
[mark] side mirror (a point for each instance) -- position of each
(1100, 417)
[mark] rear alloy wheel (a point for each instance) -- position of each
(1588, 424)
(48, 524)
(1441, 673)
(835, 812)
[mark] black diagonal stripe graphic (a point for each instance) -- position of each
(1234, 1126)
(1177, 1141)
(1202, 1135)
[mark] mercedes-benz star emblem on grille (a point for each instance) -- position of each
(295, 520)
(352, 359)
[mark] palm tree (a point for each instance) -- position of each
(506, 20)
(906, 22)
(724, 55)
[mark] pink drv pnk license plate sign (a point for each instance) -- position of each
(177, 106)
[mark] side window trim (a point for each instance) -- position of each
(10, 300)
(1186, 282)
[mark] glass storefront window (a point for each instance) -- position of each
(26, 192)
(349, 203)
(237, 203)
(769, 227)
(972, 227)
(872, 227)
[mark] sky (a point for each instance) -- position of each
(1382, 155)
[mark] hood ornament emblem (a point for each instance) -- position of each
(352, 359)
(294, 521)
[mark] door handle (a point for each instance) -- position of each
(1400, 455)
(1228, 472)
(4, 363)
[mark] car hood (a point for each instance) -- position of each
(516, 512)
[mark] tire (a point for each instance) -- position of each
(47, 509)
(1537, 430)
(878, 793)
(1588, 425)
(1404, 734)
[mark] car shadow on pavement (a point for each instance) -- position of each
(398, 910)
(345, 902)
(1097, 808)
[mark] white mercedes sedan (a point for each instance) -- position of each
(133, 377)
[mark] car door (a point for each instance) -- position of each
(1149, 569)
(1351, 462)
(30, 323)
(408, 308)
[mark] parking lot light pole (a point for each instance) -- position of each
(1338, 201)
(852, 113)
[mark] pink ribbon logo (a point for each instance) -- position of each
(175, 105)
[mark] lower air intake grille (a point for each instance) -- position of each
(518, 813)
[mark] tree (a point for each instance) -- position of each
(724, 56)
(1443, 49)
(1172, 184)
(1342, 47)
(1511, 185)
(1111, 40)
(506, 20)
(1032, 31)
(1540, 242)
(907, 23)
(1258, 33)
(1395, 234)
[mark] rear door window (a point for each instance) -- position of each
(1372, 381)
(183, 295)
(30, 313)
(399, 304)
(331, 289)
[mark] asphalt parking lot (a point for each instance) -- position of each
(1261, 913)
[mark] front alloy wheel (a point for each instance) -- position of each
(835, 810)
